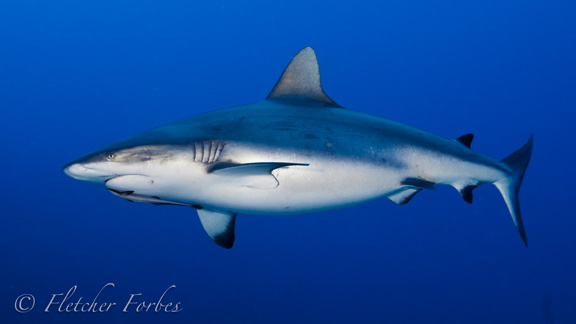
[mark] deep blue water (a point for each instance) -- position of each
(77, 75)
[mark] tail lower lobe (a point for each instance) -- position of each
(517, 163)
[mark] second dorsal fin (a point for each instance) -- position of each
(466, 139)
(300, 82)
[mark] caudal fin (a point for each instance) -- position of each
(509, 187)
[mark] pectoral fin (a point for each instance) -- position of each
(250, 175)
(219, 225)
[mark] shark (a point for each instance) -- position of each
(297, 151)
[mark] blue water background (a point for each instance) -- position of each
(77, 75)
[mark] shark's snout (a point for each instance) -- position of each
(74, 170)
(87, 172)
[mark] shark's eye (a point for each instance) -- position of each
(110, 156)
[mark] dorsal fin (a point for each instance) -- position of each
(300, 82)
(466, 140)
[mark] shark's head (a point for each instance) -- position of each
(122, 168)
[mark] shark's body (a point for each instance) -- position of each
(295, 152)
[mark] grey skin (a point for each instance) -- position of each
(295, 152)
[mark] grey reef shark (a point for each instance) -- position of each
(297, 151)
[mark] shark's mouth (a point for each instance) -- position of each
(121, 193)
(131, 182)
(135, 197)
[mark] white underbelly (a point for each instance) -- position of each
(301, 189)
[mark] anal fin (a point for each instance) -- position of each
(465, 189)
(219, 225)
(466, 193)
